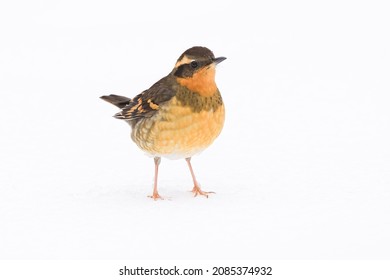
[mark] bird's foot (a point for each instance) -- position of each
(197, 191)
(156, 196)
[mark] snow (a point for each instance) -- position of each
(300, 171)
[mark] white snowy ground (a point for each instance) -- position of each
(301, 170)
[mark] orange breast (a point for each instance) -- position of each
(177, 131)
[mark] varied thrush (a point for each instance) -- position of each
(180, 115)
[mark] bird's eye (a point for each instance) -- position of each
(194, 64)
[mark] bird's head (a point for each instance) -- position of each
(195, 70)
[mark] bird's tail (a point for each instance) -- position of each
(117, 100)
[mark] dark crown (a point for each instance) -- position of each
(199, 52)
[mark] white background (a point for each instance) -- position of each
(300, 171)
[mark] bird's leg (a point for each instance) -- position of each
(196, 190)
(155, 194)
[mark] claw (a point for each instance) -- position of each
(197, 191)
(156, 196)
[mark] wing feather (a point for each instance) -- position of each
(147, 103)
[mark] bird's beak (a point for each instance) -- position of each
(219, 59)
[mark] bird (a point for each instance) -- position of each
(179, 116)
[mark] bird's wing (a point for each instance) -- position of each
(147, 103)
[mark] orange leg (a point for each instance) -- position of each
(155, 194)
(196, 190)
